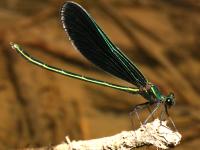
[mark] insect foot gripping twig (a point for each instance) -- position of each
(153, 133)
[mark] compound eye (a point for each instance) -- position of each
(169, 101)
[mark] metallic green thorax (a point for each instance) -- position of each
(156, 93)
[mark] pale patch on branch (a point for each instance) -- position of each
(155, 133)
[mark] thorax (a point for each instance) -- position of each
(156, 93)
(152, 93)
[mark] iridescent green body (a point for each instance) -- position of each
(155, 93)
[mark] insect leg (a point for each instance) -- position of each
(167, 113)
(136, 109)
(151, 114)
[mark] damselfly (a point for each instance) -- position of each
(94, 44)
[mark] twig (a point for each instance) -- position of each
(155, 133)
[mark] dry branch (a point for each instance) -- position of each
(152, 133)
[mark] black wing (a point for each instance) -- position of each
(93, 43)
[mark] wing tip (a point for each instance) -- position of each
(68, 5)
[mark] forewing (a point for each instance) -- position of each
(92, 42)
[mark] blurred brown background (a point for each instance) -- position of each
(39, 108)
